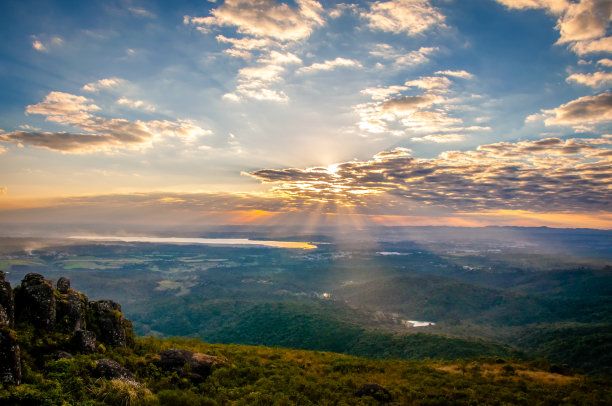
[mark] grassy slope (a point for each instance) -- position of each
(266, 376)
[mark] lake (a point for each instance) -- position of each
(204, 241)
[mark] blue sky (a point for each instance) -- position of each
(410, 111)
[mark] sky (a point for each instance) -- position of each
(266, 112)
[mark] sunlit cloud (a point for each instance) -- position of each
(439, 138)
(264, 18)
(101, 134)
(456, 73)
(584, 111)
(44, 45)
(400, 58)
(136, 104)
(408, 16)
(582, 25)
(106, 83)
(330, 65)
(595, 80)
(545, 175)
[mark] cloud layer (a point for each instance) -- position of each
(545, 175)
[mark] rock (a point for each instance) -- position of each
(35, 301)
(195, 366)
(10, 357)
(110, 369)
(71, 308)
(374, 390)
(57, 355)
(7, 301)
(112, 326)
(63, 284)
(85, 341)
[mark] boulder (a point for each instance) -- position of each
(71, 308)
(195, 366)
(35, 302)
(10, 357)
(85, 341)
(375, 391)
(57, 355)
(109, 369)
(7, 301)
(63, 285)
(113, 328)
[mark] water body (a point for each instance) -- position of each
(204, 241)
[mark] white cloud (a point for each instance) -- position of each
(595, 80)
(401, 58)
(100, 133)
(265, 18)
(440, 138)
(277, 58)
(456, 73)
(409, 16)
(430, 83)
(605, 62)
(106, 83)
(581, 114)
(593, 46)
(44, 45)
(136, 104)
(329, 65)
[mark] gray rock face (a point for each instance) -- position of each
(10, 357)
(63, 284)
(200, 365)
(7, 301)
(111, 323)
(71, 308)
(10, 354)
(35, 301)
(85, 341)
(110, 369)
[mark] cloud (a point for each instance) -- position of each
(141, 12)
(264, 18)
(605, 62)
(456, 73)
(100, 133)
(584, 111)
(329, 65)
(44, 45)
(107, 83)
(426, 112)
(582, 25)
(136, 104)
(439, 138)
(256, 83)
(401, 58)
(544, 175)
(595, 80)
(403, 16)
(2, 149)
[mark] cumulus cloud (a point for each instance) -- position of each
(605, 62)
(264, 18)
(456, 73)
(584, 111)
(99, 133)
(427, 112)
(595, 80)
(544, 175)
(44, 45)
(582, 24)
(106, 83)
(439, 138)
(256, 83)
(408, 16)
(136, 104)
(329, 65)
(401, 58)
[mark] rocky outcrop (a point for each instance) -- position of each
(193, 365)
(113, 328)
(85, 341)
(7, 302)
(35, 302)
(71, 311)
(109, 369)
(375, 391)
(10, 354)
